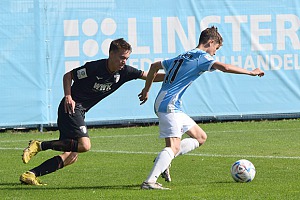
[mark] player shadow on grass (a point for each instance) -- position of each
(17, 186)
(221, 182)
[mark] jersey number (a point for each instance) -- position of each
(173, 71)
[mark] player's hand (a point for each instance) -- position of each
(69, 105)
(257, 72)
(143, 96)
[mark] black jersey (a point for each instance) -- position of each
(93, 82)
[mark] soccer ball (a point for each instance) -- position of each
(243, 171)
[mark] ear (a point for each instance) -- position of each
(208, 43)
(111, 54)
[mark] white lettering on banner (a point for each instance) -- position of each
(236, 22)
(259, 33)
(256, 45)
(207, 21)
(157, 35)
(132, 38)
(256, 32)
(291, 32)
(143, 63)
(174, 26)
(266, 62)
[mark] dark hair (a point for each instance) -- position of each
(210, 34)
(118, 44)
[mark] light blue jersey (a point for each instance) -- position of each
(181, 71)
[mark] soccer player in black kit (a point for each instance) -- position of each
(83, 88)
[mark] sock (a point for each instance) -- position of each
(187, 145)
(61, 145)
(161, 163)
(49, 166)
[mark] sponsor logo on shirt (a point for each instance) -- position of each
(102, 87)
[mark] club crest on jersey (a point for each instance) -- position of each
(81, 73)
(83, 129)
(117, 77)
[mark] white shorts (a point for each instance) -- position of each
(174, 124)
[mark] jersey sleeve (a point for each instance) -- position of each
(167, 63)
(133, 73)
(206, 61)
(83, 72)
(79, 73)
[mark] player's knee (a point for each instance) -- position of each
(202, 138)
(84, 147)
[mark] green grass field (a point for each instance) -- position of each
(121, 159)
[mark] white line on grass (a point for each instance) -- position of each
(255, 130)
(208, 132)
(189, 154)
(156, 134)
(114, 136)
(98, 136)
(204, 155)
(1, 148)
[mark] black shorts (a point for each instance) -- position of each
(71, 126)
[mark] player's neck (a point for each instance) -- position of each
(202, 47)
(109, 66)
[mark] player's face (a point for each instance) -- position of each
(213, 48)
(118, 59)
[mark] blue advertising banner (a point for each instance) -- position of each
(40, 40)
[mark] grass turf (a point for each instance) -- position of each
(121, 158)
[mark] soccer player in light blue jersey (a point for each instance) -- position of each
(181, 71)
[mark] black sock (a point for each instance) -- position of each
(61, 145)
(49, 166)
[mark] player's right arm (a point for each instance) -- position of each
(237, 70)
(143, 96)
(69, 102)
